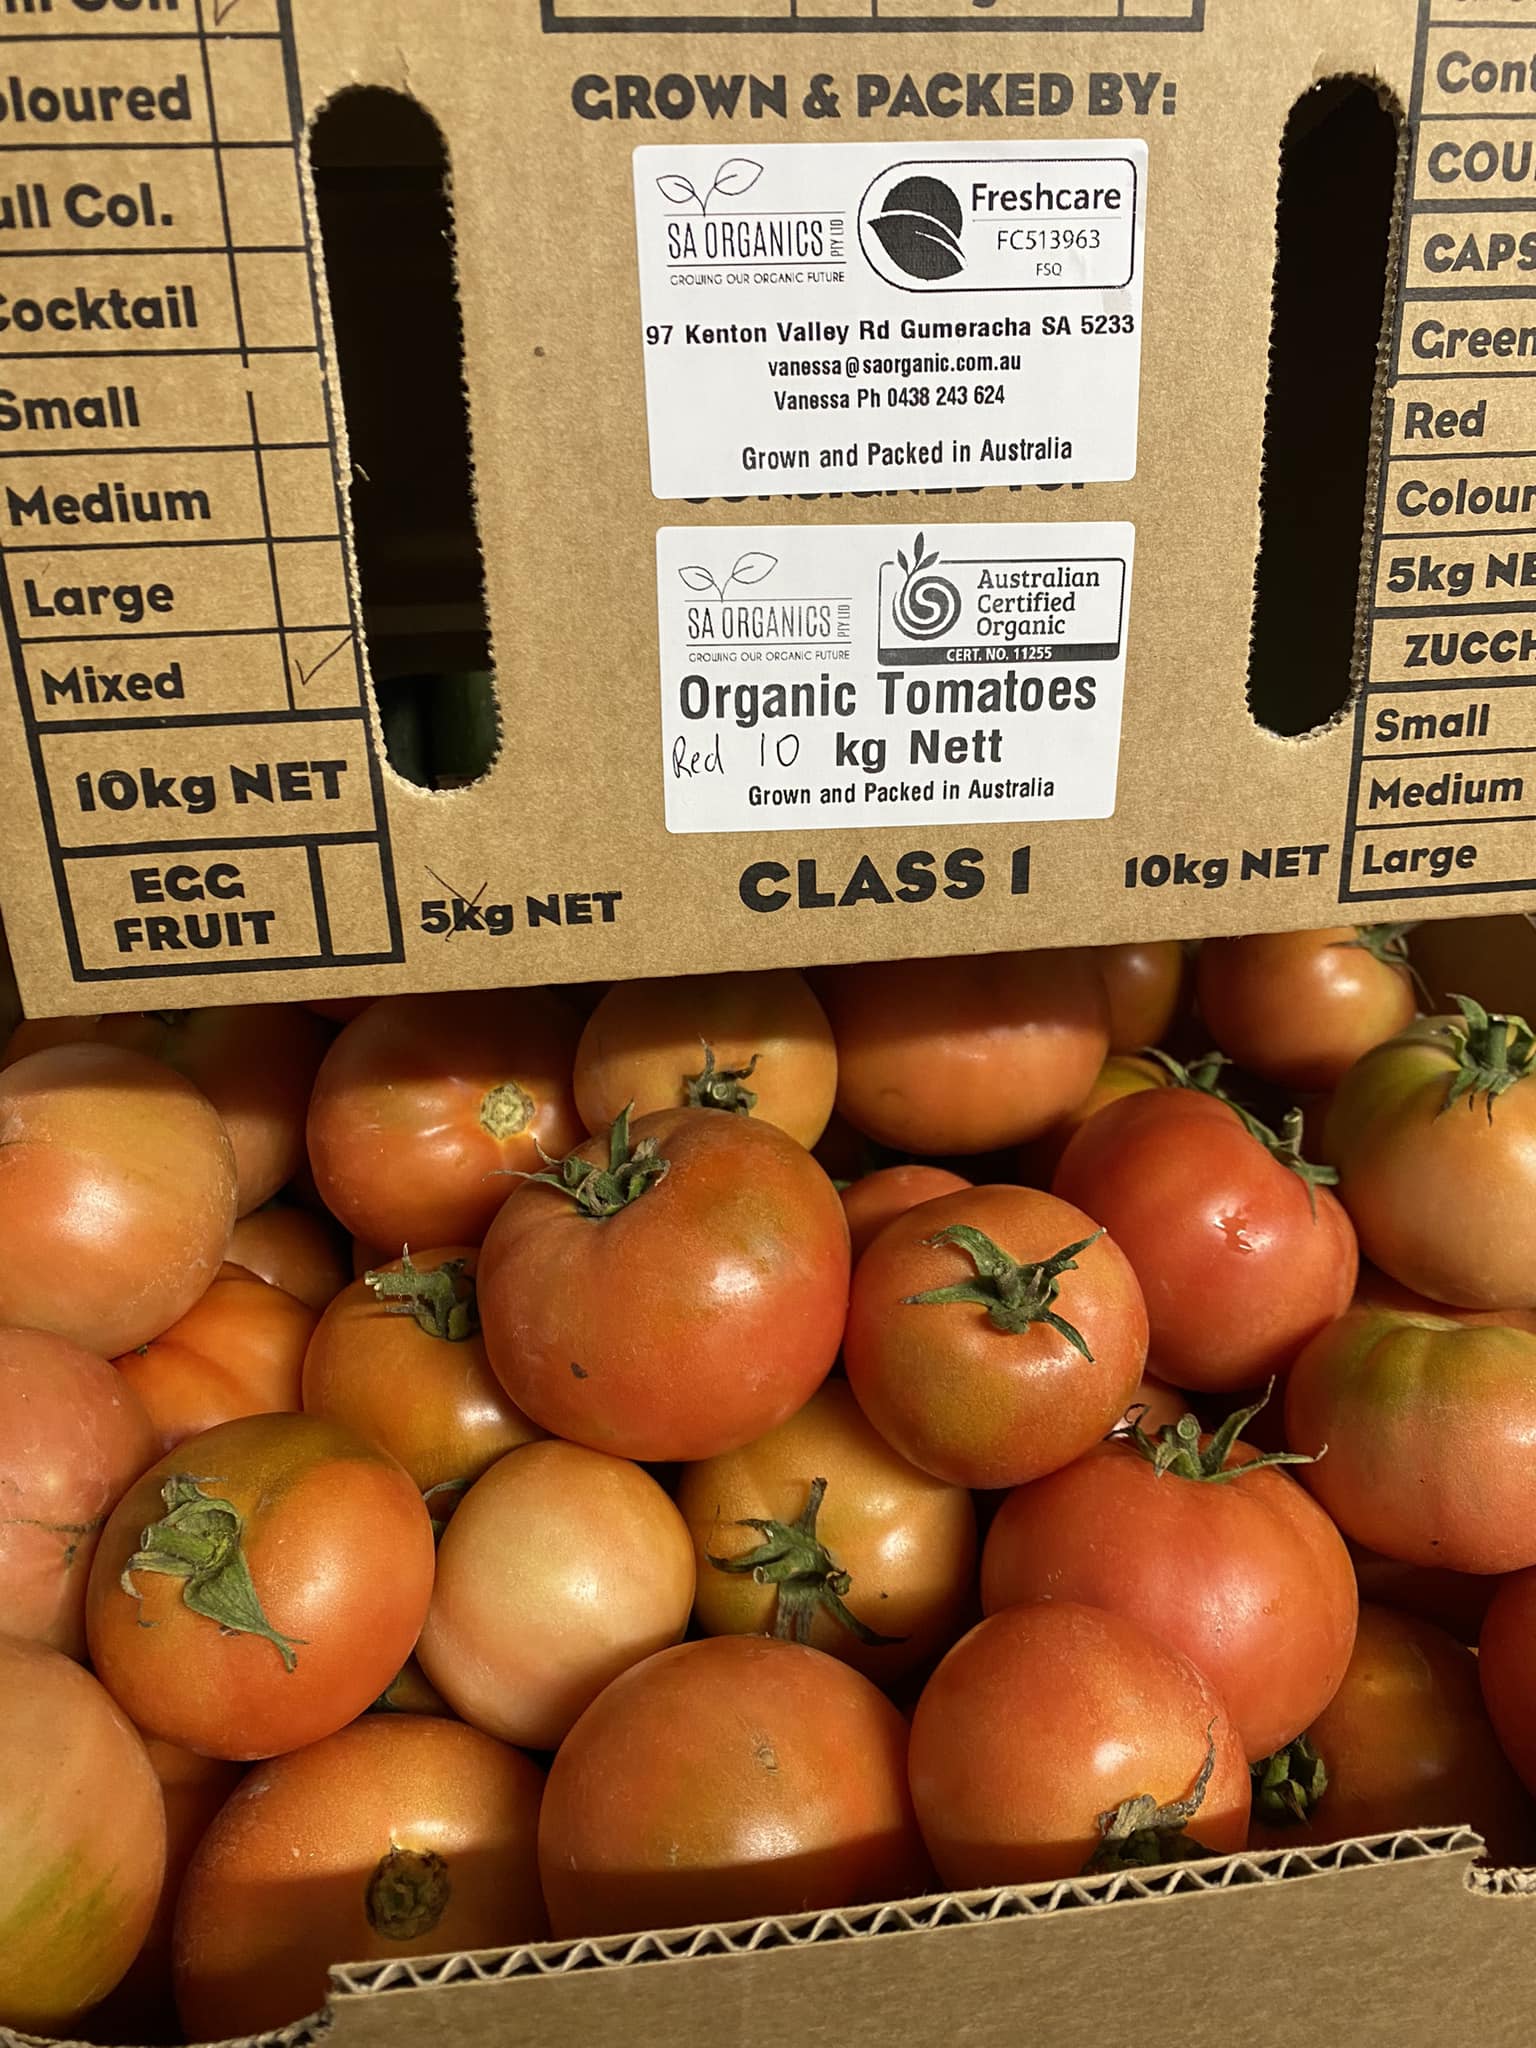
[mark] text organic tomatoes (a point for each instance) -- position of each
(1056, 1738)
(1428, 1426)
(73, 1438)
(1203, 1543)
(994, 1335)
(670, 1291)
(561, 1568)
(727, 1780)
(822, 1534)
(426, 1106)
(755, 1044)
(1434, 1136)
(83, 1825)
(395, 1837)
(117, 1195)
(259, 1586)
(966, 1055)
(1241, 1252)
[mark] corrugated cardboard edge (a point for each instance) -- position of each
(936, 1914)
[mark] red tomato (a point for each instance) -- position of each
(1144, 981)
(1449, 1106)
(143, 2007)
(788, 1795)
(1381, 1291)
(395, 1837)
(238, 1351)
(84, 1830)
(117, 1195)
(1453, 1601)
(1240, 1256)
(73, 1439)
(1120, 1075)
(821, 1533)
(561, 1568)
(1244, 1574)
(875, 1199)
(399, 1359)
(759, 1044)
(966, 1055)
(1506, 1662)
(994, 1335)
(1299, 1008)
(1404, 1743)
(1428, 1428)
(294, 1249)
(1045, 1730)
(259, 1586)
(427, 1107)
(680, 1291)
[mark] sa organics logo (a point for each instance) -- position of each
(918, 226)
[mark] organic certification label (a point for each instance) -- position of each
(890, 675)
(867, 315)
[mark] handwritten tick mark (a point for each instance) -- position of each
(222, 10)
(308, 675)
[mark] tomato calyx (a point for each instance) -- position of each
(793, 1559)
(721, 1087)
(407, 1894)
(1138, 1833)
(1288, 1785)
(1177, 1448)
(1283, 1146)
(1492, 1051)
(1013, 1293)
(198, 1539)
(440, 1302)
(1387, 943)
(506, 1109)
(602, 1191)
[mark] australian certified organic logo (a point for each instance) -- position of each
(926, 605)
(998, 608)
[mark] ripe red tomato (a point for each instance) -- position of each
(1241, 1256)
(1197, 1540)
(1404, 1743)
(427, 1107)
(1449, 1106)
(143, 2007)
(1453, 1601)
(1120, 1075)
(1055, 1737)
(259, 1586)
(294, 1249)
(874, 1199)
(788, 1795)
(117, 1195)
(1381, 1291)
(73, 1439)
(759, 1044)
(237, 1351)
(671, 1291)
(994, 1335)
(967, 1055)
(1144, 981)
(1506, 1663)
(396, 1837)
(84, 1830)
(399, 1358)
(1428, 1427)
(1299, 1008)
(819, 1532)
(561, 1568)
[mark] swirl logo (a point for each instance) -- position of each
(926, 605)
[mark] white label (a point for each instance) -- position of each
(853, 316)
(819, 676)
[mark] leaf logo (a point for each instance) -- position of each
(751, 567)
(736, 175)
(927, 605)
(918, 226)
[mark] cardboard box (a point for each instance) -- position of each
(1023, 262)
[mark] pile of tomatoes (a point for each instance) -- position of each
(476, 1468)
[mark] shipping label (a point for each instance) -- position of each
(871, 315)
(890, 675)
